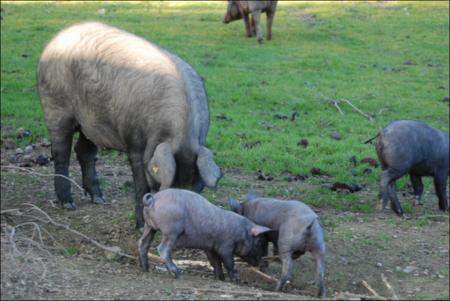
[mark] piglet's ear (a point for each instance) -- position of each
(257, 229)
(209, 171)
(234, 205)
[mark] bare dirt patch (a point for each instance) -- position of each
(412, 254)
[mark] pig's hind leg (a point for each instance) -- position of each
(440, 185)
(165, 251)
(86, 154)
(387, 189)
(216, 263)
(144, 245)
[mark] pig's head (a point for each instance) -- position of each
(191, 171)
(254, 246)
(232, 13)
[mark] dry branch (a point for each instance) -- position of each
(358, 110)
(370, 289)
(391, 290)
(43, 175)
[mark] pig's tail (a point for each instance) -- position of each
(147, 199)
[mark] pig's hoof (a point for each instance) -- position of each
(69, 205)
(98, 200)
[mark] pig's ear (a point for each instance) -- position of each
(257, 230)
(234, 205)
(209, 171)
(162, 165)
(251, 195)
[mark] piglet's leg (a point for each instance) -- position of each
(144, 245)
(286, 271)
(215, 262)
(165, 251)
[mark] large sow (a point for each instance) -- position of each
(414, 148)
(122, 92)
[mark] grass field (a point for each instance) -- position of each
(389, 59)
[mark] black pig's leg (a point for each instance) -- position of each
(440, 185)
(86, 154)
(144, 245)
(252, 26)
(387, 190)
(165, 251)
(416, 182)
(270, 16)
(216, 263)
(140, 186)
(257, 18)
(61, 148)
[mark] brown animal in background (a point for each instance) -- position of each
(122, 92)
(241, 9)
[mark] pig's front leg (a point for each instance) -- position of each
(227, 257)
(216, 263)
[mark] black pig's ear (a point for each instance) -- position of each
(234, 205)
(209, 171)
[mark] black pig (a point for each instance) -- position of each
(407, 146)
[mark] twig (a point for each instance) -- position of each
(370, 289)
(234, 292)
(93, 241)
(264, 275)
(337, 106)
(44, 175)
(391, 290)
(358, 110)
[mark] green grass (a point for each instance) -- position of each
(350, 50)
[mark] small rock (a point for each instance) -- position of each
(42, 160)
(379, 264)
(28, 149)
(160, 269)
(280, 116)
(19, 151)
(303, 142)
(22, 133)
(101, 11)
(45, 142)
(409, 62)
(417, 289)
(409, 269)
(336, 136)
(28, 158)
(440, 276)
(12, 159)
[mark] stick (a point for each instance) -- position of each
(94, 242)
(391, 290)
(44, 175)
(214, 290)
(264, 275)
(370, 289)
(337, 106)
(358, 110)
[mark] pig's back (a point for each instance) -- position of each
(273, 213)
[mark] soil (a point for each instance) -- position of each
(412, 254)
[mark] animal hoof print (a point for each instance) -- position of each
(69, 206)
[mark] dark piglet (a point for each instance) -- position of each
(296, 228)
(414, 148)
(241, 9)
(122, 92)
(187, 220)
